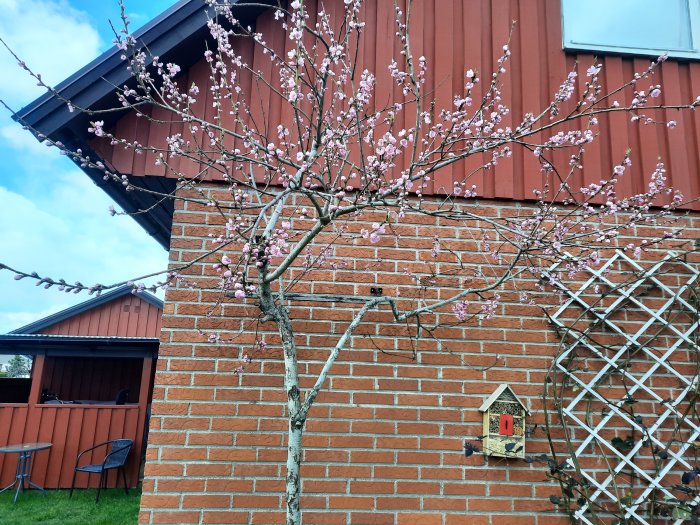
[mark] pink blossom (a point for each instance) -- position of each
(460, 309)
(593, 70)
(97, 128)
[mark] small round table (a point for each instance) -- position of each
(24, 465)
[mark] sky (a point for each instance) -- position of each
(53, 219)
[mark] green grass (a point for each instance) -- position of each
(54, 508)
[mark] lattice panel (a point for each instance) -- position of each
(629, 350)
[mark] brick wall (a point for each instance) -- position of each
(384, 441)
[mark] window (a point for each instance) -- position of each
(638, 27)
(15, 380)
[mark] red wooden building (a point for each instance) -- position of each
(384, 443)
(82, 358)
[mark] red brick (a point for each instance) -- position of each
(205, 501)
(396, 503)
(350, 502)
(375, 518)
(178, 518)
(325, 518)
(160, 501)
(372, 487)
(420, 519)
(384, 439)
(229, 517)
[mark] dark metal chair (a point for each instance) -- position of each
(122, 397)
(117, 452)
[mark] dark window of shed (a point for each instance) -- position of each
(15, 389)
(635, 27)
(91, 380)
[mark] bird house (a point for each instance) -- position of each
(504, 424)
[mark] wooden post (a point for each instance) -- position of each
(37, 380)
(144, 400)
(145, 381)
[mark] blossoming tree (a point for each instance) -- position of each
(349, 164)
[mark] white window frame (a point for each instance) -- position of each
(694, 15)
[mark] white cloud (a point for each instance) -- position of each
(13, 320)
(137, 18)
(22, 140)
(51, 37)
(53, 219)
(66, 232)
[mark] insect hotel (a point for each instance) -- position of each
(504, 424)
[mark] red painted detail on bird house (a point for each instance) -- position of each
(505, 425)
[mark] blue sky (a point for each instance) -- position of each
(53, 219)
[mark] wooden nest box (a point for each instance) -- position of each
(504, 424)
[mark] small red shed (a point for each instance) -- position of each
(82, 358)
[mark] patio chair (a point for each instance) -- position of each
(122, 397)
(117, 452)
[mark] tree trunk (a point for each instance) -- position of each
(296, 422)
(296, 416)
(293, 475)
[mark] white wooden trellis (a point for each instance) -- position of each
(611, 363)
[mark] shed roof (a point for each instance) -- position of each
(72, 346)
(102, 299)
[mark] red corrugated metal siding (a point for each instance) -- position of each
(73, 428)
(127, 316)
(458, 34)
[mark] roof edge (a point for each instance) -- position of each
(87, 75)
(177, 32)
(496, 394)
(79, 346)
(94, 302)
